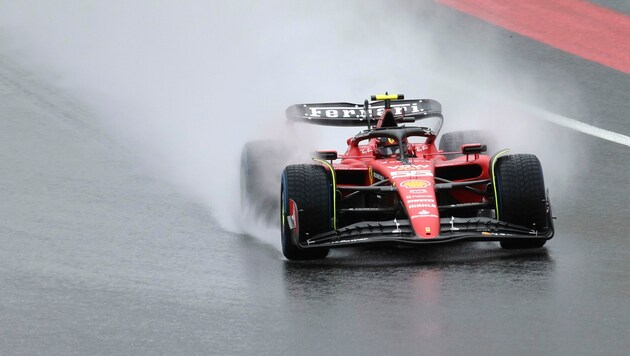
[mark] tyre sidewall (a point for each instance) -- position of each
(307, 185)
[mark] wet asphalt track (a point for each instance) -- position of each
(98, 257)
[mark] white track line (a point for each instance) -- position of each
(587, 129)
(576, 125)
(545, 115)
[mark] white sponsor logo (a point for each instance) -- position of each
(423, 200)
(418, 191)
(416, 206)
(420, 196)
(445, 164)
(315, 112)
(409, 167)
(424, 216)
(415, 173)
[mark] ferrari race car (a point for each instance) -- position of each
(394, 186)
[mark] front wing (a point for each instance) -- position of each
(400, 233)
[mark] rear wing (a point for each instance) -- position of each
(349, 114)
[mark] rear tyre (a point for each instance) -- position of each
(453, 141)
(309, 186)
(521, 197)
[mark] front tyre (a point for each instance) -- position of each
(521, 197)
(309, 187)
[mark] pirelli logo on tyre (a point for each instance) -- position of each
(415, 184)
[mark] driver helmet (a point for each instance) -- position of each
(386, 146)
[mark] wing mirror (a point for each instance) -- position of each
(328, 155)
(473, 148)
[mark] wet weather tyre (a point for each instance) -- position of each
(521, 197)
(453, 141)
(309, 187)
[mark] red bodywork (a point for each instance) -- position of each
(394, 186)
(414, 179)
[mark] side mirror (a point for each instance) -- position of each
(328, 155)
(473, 148)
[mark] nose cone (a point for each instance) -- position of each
(416, 188)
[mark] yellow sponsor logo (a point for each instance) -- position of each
(415, 184)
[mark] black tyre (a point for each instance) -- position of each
(261, 166)
(309, 186)
(453, 141)
(521, 197)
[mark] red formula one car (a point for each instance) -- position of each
(394, 186)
